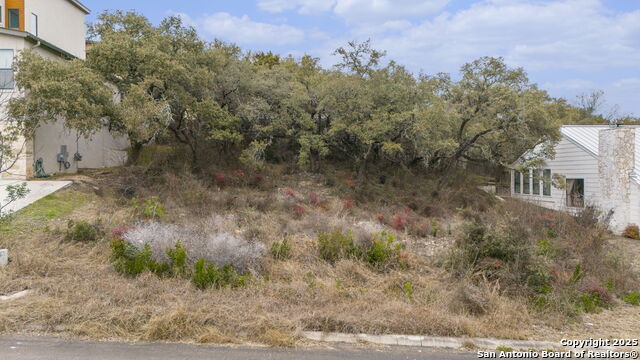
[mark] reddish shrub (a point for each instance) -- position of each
(399, 222)
(220, 179)
(347, 204)
(299, 211)
(314, 199)
(289, 192)
(632, 232)
(239, 173)
(120, 231)
(380, 218)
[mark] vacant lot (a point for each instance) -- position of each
(77, 291)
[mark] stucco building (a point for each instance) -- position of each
(592, 165)
(55, 29)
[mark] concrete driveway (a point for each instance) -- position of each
(37, 190)
(47, 348)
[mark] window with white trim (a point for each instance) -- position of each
(536, 181)
(546, 182)
(526, 182)
(6, 69)
(34, 24)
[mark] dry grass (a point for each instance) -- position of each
(77, 292)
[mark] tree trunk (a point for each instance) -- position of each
(134, 154)
(195, 167)
(362, 171)
(314, 161)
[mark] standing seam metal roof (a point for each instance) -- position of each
(585, 136)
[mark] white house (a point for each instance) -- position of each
(54, 29)
(600, 166)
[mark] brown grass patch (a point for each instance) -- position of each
(78, 292)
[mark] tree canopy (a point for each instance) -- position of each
(165, 84)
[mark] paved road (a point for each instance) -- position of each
(47, 348)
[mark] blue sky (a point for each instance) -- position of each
(568, 47)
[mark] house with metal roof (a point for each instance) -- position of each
(592, 165)
(55, 29)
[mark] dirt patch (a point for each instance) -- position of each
(630, 248)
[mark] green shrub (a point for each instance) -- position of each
(484, 247)
(310, 279)
(83, 231)
(632, 299)
(131, 261)
(610, 285)
(593, 300)
(544, 247)
(408, 290)
(151, 208)
(336, 245)
(435, 228)
(207, 275)
(577, 274)
(383, 250)
(178, 259)
(281, 250)
(481, 242)
(538, 279)
(128, 259)
(541, 302)
(588, 303)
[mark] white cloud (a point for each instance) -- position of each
(629, 83)
(302, 6)
(570, 85)
(369, 11)
(359, 11)
(244, 31)
(566, 34)
(560, 42)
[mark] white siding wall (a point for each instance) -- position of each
(634, 209)
(102, 150)
(2, 15)
(22, 166)
(575, 163)
(60, 23)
